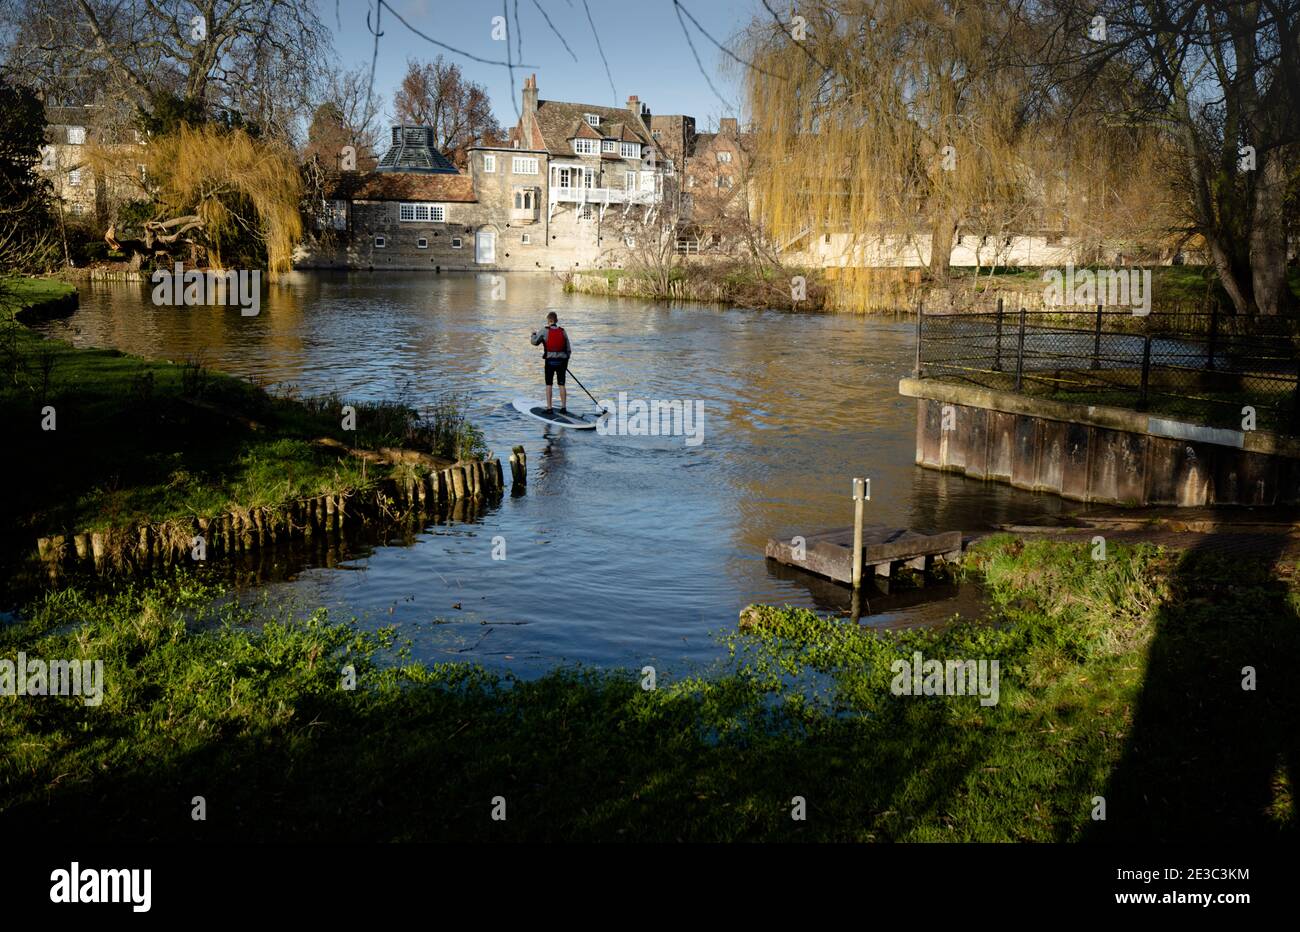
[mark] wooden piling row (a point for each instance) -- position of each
(245, 531)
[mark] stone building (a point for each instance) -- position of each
(83, 190)
(562, 194)
(715, 191)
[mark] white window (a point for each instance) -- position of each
(690, 181)
(336, 215)
(629, 181)
(584, 146)
(647, 181)
(607, 145)
(76, 135)
(78, 208)
(630, 150)
(380, 242)
(586, 212)
(526, 239)
(592, 119)
(422, 243)
(422, 213)
(724, 181)
(489, 163)
(74, 177)
(144, 173)
(523, 166)
(629, 242)
(525, 199)
(724, 156)
(456, 242)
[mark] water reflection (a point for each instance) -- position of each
(625, 549)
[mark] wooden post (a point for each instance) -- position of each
(861, 492)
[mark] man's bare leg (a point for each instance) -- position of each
(548, 397)
(564, 397)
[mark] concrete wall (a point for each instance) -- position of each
(1095, 454)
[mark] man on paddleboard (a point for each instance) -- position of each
(556, 350)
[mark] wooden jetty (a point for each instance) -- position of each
(884, 549)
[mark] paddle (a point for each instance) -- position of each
(598, 405)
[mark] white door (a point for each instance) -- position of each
(485, 247)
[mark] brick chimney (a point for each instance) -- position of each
(729, 126)
(530, 94)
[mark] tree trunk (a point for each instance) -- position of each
(1268, 239)
(941, 234)
(1229, 275)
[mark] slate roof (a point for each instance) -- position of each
(558, 122)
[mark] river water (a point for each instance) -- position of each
(625, 550)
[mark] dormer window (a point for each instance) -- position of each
(724, 157)
(607, 145)
(630, 150)
(584, 146)
(592, 119)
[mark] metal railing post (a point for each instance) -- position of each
(920, 313)
(1146, 373)
(1096, 342)
(997, 345)
(1020, 352)
(1214, 336)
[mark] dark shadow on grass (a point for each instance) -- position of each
(1205, 759)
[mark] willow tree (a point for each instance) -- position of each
(220, 189)
(890, 121)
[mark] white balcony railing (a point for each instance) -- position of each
(582, 195)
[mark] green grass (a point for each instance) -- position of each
(31, 291)
(1119, 679)
(147, 440)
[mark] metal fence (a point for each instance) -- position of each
(1208, 365)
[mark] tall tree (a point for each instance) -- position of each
(251, 57)
(26, 216)
(437, 94)
(341, 118)
(1221, 80)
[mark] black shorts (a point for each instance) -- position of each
(556, 368)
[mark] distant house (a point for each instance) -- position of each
(414, 210)
(82, 190)
(540, 202)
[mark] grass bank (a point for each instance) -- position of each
(106, 438)
(1119, 679)
(1188, 290)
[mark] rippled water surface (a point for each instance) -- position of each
(625, 550)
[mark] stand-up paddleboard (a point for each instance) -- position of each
(536, 409)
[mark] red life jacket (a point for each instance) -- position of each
(555, 343)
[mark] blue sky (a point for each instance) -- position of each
(642, 40)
